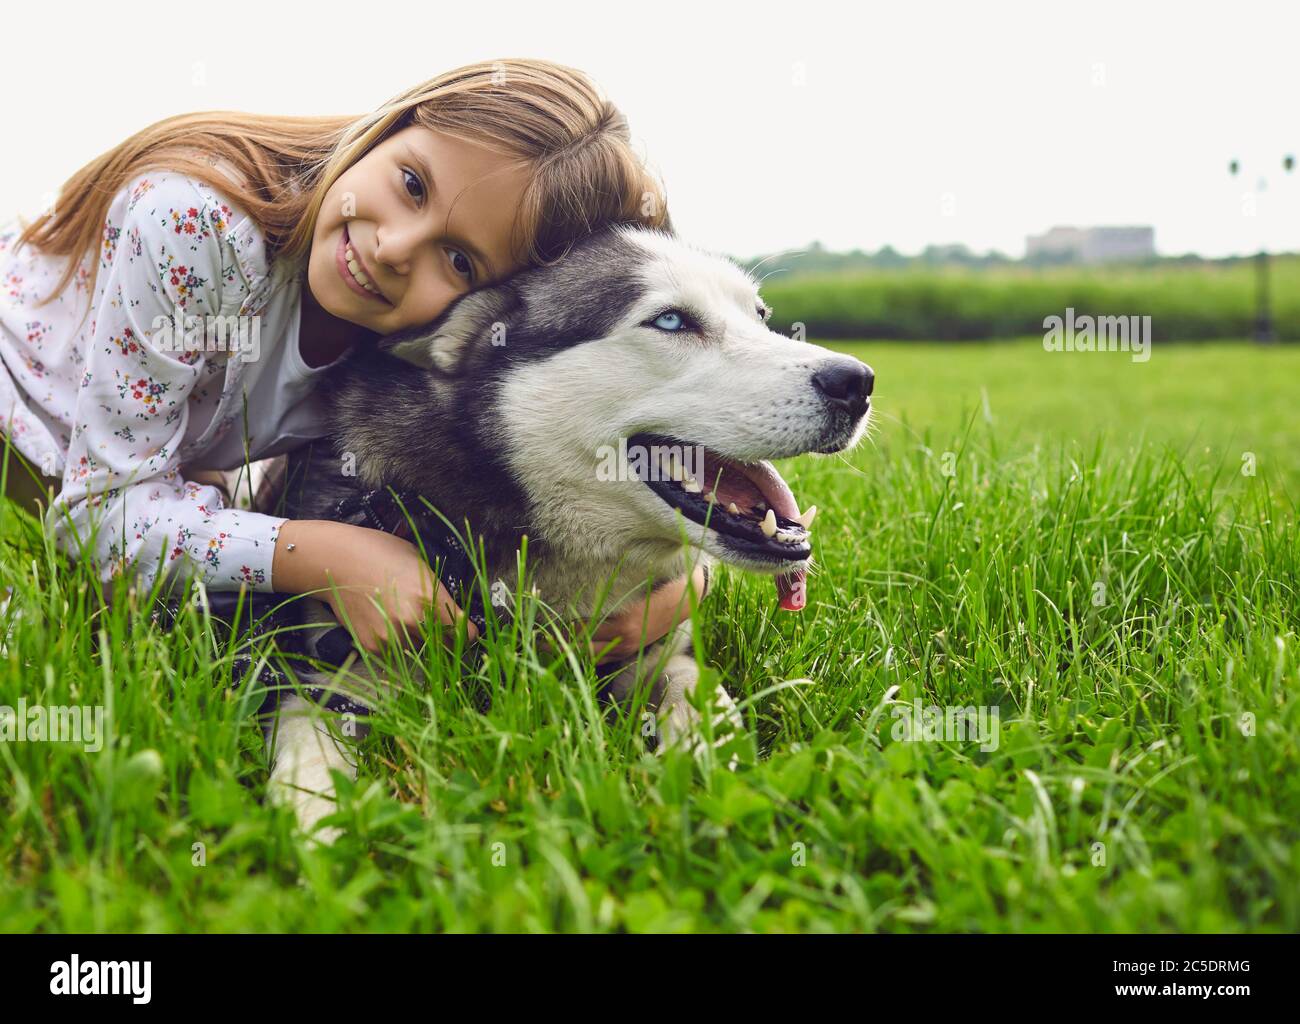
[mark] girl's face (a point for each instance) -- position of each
(393, 209)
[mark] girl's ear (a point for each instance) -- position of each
(441, 344)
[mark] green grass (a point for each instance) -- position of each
(1147, 776)
(1184, 301)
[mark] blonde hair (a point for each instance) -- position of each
(585, 174)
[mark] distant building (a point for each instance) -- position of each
(1092, 245)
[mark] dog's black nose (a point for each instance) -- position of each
(846, 383)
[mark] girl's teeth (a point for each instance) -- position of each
(355, 269)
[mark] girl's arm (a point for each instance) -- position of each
(348, 566)
(664, 609)
(166, 245)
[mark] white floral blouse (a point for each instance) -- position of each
(93, 395)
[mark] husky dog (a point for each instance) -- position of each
(608, 406)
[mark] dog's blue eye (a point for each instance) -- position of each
(670, 321)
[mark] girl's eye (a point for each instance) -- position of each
(461, 263)
(669, 320)
(409, 176)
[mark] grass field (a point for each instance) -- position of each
(1074, 540)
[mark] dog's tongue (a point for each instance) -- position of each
(791, 587)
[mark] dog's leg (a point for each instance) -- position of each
(679, 721)
(674, 676)
(303, 751)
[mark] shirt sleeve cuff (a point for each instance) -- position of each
(240, 550)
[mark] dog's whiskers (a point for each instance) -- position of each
(792, 253)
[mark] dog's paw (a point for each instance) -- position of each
(681, 724)
(305, 754)
(309, 808)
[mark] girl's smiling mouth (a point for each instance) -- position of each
(353, 272)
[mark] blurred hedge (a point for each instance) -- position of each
(1184, 300)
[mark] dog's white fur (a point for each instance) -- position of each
(305, 751)
(744, 391)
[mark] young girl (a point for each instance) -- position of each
(331, 231)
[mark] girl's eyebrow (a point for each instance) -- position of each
(474, 251)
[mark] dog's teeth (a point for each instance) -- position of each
(711, 498)
(769, 524)
(731, 507)
(805, 518)
(692, 486)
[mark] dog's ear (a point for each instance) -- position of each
(441, 344)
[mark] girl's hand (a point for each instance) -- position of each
(389, 570)
(352, 567)
(667, 607)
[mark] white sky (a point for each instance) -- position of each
(772, 124)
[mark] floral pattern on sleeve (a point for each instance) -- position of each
(163, 247)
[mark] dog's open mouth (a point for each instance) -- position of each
(747, 504)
